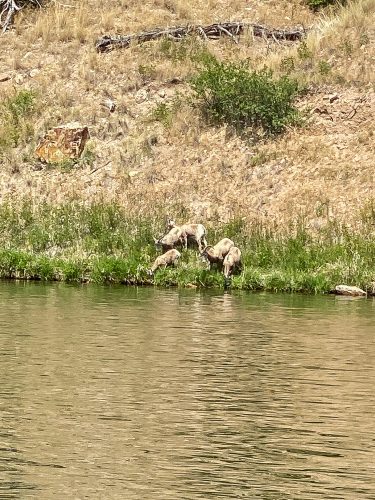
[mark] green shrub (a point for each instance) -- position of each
(319, 4)
(230, 93)
(324, 68)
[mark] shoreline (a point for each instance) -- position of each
(102, 244)
(23, 268)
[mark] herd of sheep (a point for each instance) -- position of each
(224, 254)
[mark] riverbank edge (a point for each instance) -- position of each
(102, 243)
(20, 266)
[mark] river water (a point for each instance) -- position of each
(125, 393)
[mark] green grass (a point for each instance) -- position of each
(100, 244)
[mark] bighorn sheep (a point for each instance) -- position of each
(216, 254)
(193, 232)
(232, 261)
(169, 258)
(174, 237)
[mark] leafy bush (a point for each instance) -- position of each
(230, 93)
(319, 4)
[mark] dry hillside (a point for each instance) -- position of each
(146, 155)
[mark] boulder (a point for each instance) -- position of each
(65, 142)
(353, 291)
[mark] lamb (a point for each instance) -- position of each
(193, 232)
(232, 261)
(169, 258)
(175, 237)
(216, 254)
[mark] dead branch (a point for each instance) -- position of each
(9, 8)
(212, 32)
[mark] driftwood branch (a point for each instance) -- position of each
(9, 8)
(211, 32)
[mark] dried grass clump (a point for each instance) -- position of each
(340, 49)
(9, 8)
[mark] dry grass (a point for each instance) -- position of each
(339, 50)
(185, 165)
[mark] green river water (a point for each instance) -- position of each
(126, 393)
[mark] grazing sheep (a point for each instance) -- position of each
(194, 232)
(216, 254)
(169, 258)
(175, 237)
(232, 261)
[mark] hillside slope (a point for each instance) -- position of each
(155, 152)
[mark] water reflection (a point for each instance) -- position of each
(143, 393)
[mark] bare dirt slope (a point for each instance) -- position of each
(146, 155)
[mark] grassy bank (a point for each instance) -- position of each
(99, 244)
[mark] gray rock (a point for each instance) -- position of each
(353, 291)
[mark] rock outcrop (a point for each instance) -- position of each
(65, 142)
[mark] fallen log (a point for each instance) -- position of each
(107, 43)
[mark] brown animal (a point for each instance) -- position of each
(169, 258)
(216, 254)
(193, 232)
(175, 237)
(232, 261)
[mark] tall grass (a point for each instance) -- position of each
(99, 243)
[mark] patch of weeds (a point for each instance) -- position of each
(303, 51)
(147, 72)
(163, 114)
(180, 50)
(320, 4)
(324, 68)
(14, 113)
(66, 165)
(88, 156)
(174, 50)
(347, 47)
(287, 65)
(21, 104)
(340, 79)
(368, 213)
(73, 271)
(259, 159)
(364, 38)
